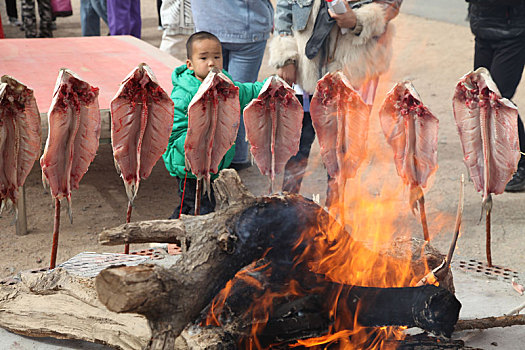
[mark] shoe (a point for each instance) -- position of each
(517, 183)
(240, 166)
(14, 21)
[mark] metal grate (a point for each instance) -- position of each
(481, 269)
(89, 264)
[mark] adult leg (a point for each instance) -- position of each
(295, 168)
(159, 4)
(169, 42)
(89, 19)
(506, 70)
(29, 16)
(101, 8)
(244, 62)
(119, 16)
(46, 18)
(11, 9)
(135, 19)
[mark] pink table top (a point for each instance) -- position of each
(102, 61)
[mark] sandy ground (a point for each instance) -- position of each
(432, 54)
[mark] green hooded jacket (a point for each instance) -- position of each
(185, 86)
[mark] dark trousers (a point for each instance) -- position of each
(505, 60)
(296, 167)
(187, 195)
(11, 8)
(159, 4)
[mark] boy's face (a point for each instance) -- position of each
(206, 54)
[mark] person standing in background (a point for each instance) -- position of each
(12, 12)
(29, 16)
(243, 27)
(499, 30)
(309, 43)
(91, 11)
(124, 17)
(177, 21)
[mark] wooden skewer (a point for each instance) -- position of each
(56, 228)
(423, 216)
(128, 220)
(198, 197)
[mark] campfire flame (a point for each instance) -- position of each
(375, 211)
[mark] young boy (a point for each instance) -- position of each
(203, 51)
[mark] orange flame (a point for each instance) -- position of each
(374, 210)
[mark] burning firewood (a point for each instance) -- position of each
(412, 131)
(213, 119)
(291, 233)
(72, 141)
(20, 138)
(141, 121)
(273, 127)
(488, 131)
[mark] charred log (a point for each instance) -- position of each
(291, 232)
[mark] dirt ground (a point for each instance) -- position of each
(433, 55)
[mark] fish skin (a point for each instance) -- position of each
(412, 132)
(487, 126)
(273, 123)
(73, 134)
(340, 119)
(141, 123)
(213, 121)
(20, 137)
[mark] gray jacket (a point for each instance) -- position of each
(293, 14)
(234, 21)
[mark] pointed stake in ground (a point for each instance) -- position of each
(487, 207)
(198, 197)
(56, 228)
(417, 197)
(128, 220)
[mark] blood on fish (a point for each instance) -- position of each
(273, 126)
(141, 123)
(20, 138)
(73, 135)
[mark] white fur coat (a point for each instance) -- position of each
(361, 57)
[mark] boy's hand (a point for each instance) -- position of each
(288, 73)
(345, 20)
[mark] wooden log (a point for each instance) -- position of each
(490, 322)
(218, 245)
(57, 304)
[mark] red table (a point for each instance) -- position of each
(103, 61)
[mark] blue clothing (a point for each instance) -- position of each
(91, 11)
(243, 62)
(234, 21)
(242, 26)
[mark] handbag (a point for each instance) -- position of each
(61, 8)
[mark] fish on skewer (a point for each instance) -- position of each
(141, 122)
(340, 120)
(273, 123)
(72, 141)
(213, 119)
(412, 132)
(487, 126)
(20, 138)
